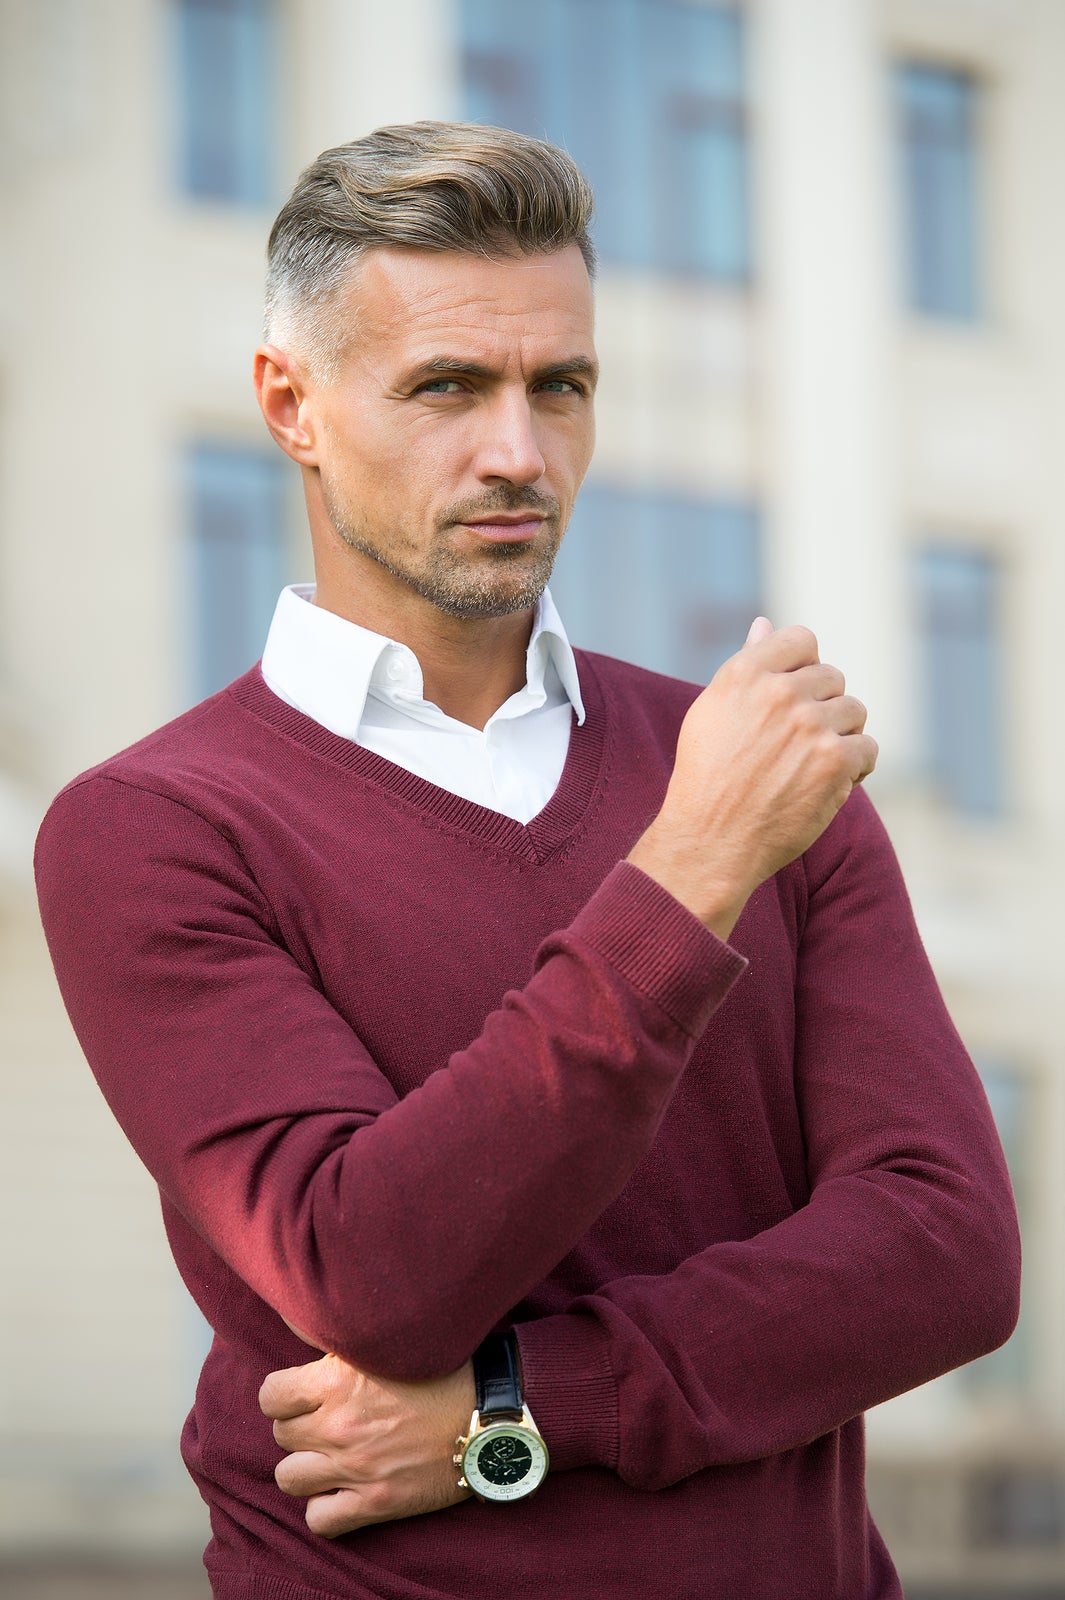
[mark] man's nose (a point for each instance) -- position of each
(508, 448)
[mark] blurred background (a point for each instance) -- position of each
(831, 322)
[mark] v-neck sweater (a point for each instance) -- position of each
(405, 1070)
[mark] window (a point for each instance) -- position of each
(227, 100)
(938, 113)
(649, 97)
(236, 501)
(673, 584)
(958, 601)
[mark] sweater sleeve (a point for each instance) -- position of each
(903, 1264)
(268, 1126)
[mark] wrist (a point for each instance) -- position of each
(715, 896)
(503, 1457)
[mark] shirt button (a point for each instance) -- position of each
(396, 670)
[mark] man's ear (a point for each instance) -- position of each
(281, 387)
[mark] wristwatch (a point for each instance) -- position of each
(503, 1456)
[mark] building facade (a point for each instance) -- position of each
(832, 248)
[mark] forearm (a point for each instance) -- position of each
(745, 1351)
(759, 1347)
(468, 1191)
(890, 1252)
(395, 1231)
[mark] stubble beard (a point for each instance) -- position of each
(502, 579)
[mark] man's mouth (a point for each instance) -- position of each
(511, 527)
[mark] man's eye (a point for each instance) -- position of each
(441, 386)
(559, 386)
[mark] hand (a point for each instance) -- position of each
(364, 1449)
(766, 756)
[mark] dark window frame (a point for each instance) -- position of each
(227, 55)
(942, 209)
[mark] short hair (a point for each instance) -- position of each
(426, 185)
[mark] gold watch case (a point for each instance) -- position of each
(502, 1461)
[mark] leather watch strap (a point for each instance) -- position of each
(497, 1378)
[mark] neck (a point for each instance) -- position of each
(470, 665)
(472, 668)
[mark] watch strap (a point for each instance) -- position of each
(497, 1378)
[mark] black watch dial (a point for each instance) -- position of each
(505, 1459)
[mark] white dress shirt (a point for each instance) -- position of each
(367, 688)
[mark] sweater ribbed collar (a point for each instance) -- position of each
(565, 814)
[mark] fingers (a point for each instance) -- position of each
(341, 1511)
(858, 756)
(850, 749)
(306, 1472)
(295, 1391)
(817, 679)
(779, 649)
(301, 1432)
(843, 714)
(820, 681)
(864, 753)
(346, 1510)
(338, 1503)
(361, 1449)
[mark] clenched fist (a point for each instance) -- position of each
(365, 1449)
(766, 756)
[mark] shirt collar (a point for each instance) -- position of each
(326, 666)
(549, 646)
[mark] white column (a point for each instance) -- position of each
(826, 280)
(372, 62)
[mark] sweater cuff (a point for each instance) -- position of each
(571, 1391)
(659, 946)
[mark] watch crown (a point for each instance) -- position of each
(457, 1460)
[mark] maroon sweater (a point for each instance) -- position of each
(405, 1069)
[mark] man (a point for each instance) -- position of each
(546, 1041)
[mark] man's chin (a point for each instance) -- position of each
(494, 602)
(506, 585)
(500, 580)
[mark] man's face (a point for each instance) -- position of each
(451, 443)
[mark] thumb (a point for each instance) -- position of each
(760, 629)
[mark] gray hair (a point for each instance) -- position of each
(427, 185)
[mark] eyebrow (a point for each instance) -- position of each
(574, 367)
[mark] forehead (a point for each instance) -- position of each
(410, 304)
